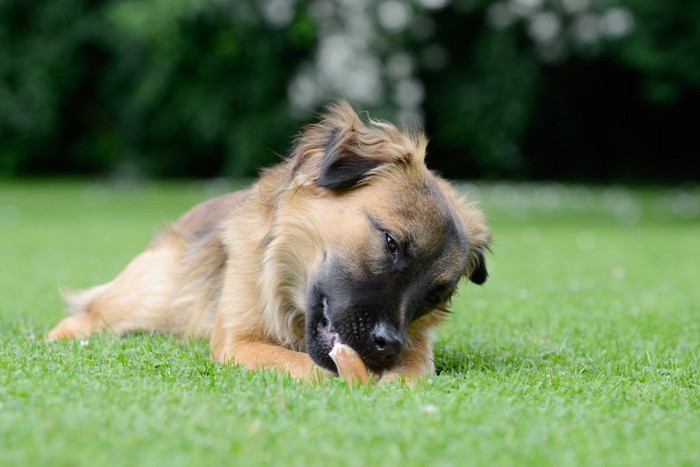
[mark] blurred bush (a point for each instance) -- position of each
(572, 89)
(163, 87)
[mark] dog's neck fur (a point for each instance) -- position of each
(284, 273)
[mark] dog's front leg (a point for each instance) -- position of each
(416, 363)
(260, 355)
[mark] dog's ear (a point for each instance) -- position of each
(478, 274)
(479, 240)
(478, 234)
(342, 165)
(341, 152)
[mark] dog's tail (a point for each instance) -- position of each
(79, 301)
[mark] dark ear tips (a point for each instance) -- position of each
(345, 171)
(479, 274)
(346, 152)
(342, 166)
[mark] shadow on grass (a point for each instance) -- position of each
(452, 360)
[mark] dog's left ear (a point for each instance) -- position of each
(479, 240)
(479, 274)
(475, 228)
(342, 165)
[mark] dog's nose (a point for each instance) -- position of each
(387, 345)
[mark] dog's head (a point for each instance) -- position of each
(394, 239)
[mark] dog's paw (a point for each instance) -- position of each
(400, 378)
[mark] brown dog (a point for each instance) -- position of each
(351, 239)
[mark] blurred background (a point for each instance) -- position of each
(571, 90)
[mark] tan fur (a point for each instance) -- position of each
(235, 269)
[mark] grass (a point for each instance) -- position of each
(581, 349)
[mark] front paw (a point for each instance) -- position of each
(403, 377)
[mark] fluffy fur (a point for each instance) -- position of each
(243, 269)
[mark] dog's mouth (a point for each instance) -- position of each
(323, 334)
(325, 328)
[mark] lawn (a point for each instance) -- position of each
(581, 349)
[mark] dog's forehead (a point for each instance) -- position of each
(416, 209)
(421, 205)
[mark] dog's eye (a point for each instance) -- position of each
(434, 298)
(439, 295)
(391, 244)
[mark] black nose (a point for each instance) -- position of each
(387, 345)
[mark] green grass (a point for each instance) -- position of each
(581, 349)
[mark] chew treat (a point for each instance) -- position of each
(350, 365)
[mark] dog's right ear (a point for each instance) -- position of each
(341, 152)
(342, 165)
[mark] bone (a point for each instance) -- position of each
(351, 368)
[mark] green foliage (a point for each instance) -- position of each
(491, 101)
(601, 90)
(210, 84)
(524, 89)
(663, 47)
(52, 54)
(171, 88)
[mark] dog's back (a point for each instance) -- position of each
(173, 286)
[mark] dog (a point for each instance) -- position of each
(350, 239)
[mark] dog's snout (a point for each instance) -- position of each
(387, 345)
